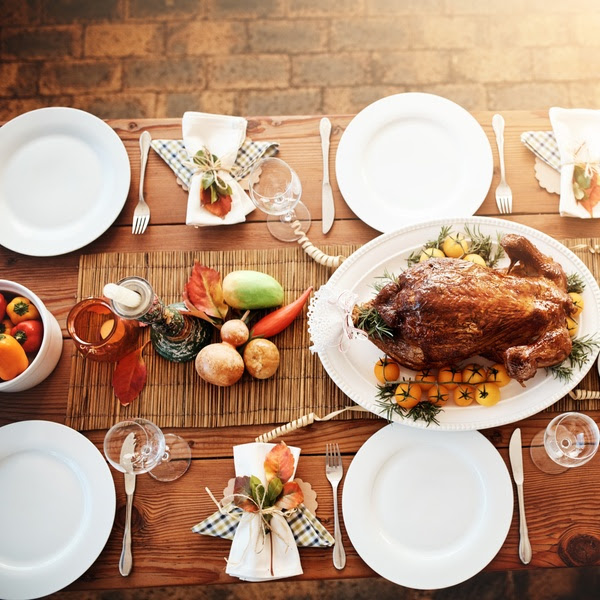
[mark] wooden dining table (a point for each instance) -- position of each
(563, 511)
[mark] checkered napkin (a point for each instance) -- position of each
(173, 152)
(307, 530)
(254, 556)
(543, 144)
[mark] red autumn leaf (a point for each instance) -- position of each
(279, 462)
(291, 496)
(129, 377)
(242, 486)
(219, 208)
(203, 293)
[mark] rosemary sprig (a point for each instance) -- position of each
(423, 411)
(483, 245)
(414, 257)
(382, 280)
(371, 322)
(575, 283)
(582, 348)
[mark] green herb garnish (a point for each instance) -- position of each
(423, 411)
(575, 283)
(372, 323)
(582, 348)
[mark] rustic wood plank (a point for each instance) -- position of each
(166, 551)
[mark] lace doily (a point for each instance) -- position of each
(330, 319)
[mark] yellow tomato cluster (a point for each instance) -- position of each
(463, 385)
(572, 322)
(454, 245)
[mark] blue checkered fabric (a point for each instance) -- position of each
(307, 529)
(173, 152)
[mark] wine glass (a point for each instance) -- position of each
(275, 189)
(139, 446)
(570, 440)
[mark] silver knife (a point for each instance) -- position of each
(327, 196)
(515, 453)
(126, 560)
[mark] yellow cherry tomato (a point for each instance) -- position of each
(475, 258)
(450, 377)
(438, 395)
(464, 395)
(431, 253)
(474, 373)
(425, 378)
(386, 370)
(13, 359)
(578, 302)
(572, 326)
(455, 245)
(487, 394)
(497, 374)
(408, 394)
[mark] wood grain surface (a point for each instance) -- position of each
(562, 510)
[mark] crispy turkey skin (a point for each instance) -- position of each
(445, 310)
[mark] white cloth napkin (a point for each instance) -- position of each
(223, 136)
(577, 132)
(251, 557)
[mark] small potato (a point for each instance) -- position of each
(220, 364)
(261, 358)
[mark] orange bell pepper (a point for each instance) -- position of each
(13, 359)
(20, 309)
(5, 326)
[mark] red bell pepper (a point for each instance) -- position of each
(2, 307)
(29, 334)
(275, 322)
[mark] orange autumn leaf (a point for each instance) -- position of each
(129, 377)
(593, 196)
(203, 293)
(218, 208)
(279, 462)
(290, 497)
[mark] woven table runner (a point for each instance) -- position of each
(175, 396)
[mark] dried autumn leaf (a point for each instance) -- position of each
(129, 377)
(593, 194)
(291, 496)
(243, 489)
(203, 293)
(219, 207)
(279, 462)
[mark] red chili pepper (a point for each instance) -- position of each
(2, 307)
(275, 322)
(29, 334)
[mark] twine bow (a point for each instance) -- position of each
(264, 515)
(212, 171)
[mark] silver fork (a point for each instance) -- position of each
(334, 472)
(141, 214)
(503, 191)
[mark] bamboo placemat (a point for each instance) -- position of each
(175, 396)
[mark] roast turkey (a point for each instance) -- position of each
(445, 310)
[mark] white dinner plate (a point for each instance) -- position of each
(64, 178)
(427, 509)
(409, 156)
(57, 507)
(352, 370)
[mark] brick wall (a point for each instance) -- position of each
(158, 58)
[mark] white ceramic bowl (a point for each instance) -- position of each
(49, 353)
